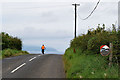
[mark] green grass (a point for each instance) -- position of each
(11, 52)
(88, 66)
(0, 55)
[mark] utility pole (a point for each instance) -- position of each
(75, 16)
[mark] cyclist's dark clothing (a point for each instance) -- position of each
(42, 51)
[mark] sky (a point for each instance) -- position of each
(51, 23)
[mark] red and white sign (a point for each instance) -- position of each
(104, 50)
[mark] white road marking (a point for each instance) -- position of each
(39, 55)
(32, 59)
(23, 65)
(18, 68)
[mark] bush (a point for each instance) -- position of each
(7, 53)
(96, 38)
(10, 42)
(87, 59)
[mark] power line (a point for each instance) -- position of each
(92, 11)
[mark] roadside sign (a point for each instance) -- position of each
(104, 50)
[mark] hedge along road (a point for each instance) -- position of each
(33, 66)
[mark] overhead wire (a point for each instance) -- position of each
(91, 12)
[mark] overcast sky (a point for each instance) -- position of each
(52, 23)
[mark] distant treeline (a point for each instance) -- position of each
(10, 42)
(91, 42)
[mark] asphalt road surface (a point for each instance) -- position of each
(33, 66)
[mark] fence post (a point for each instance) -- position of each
(111, 54)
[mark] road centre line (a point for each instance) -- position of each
(18, 68)
(22, 65)
(32, 59)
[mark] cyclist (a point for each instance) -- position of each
(43, 48)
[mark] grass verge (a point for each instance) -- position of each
(11, 52)
(79, 65)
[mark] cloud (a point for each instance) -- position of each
(57, 0)
(53, 24)
(0, 17)
(119, 15)
(104, 14)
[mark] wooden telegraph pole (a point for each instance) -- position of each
(75, 16)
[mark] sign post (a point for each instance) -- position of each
(110, 57)
(105, 51)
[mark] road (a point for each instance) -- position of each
(33, 66)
